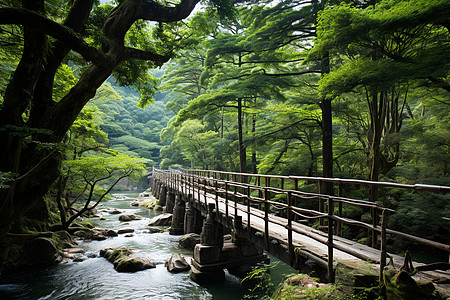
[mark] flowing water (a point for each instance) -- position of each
(95, 278)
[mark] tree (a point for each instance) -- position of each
(87, 177)
(388, 46)
(116, 42)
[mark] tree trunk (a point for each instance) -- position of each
(241, 148)
(36, 166)
(327, 134)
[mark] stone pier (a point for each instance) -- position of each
(234, 252)
(193, 220)
(213, 255)
(177, 226)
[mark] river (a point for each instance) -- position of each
(95, 278)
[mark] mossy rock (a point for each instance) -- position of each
(401, 286)
(85, 233)
(123, 262)
(114, 254)
(302, 286)
(87, 224)
(63, 239)
(132, 264)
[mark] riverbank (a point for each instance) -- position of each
(95, 277)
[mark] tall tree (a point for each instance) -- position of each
(388, 46)
(116, 42)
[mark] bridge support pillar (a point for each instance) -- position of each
(162, 195)
(177, 226)
(207, 253)
(170, 202)
(193, 220)
(212, 255)
(155, 187)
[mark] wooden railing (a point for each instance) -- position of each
(243, 191)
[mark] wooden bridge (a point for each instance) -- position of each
(274, 213)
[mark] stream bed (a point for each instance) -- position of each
(95, 278)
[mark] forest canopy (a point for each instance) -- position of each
(351, 89)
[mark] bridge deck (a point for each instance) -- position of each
(363, 257)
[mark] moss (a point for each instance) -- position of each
(365, 241)
(302, 286)
(62, 239)
(87, 224)
(400, 285)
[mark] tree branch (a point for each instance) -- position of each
(133, 53)
(53, 29)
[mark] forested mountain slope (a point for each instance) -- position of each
(133, 130)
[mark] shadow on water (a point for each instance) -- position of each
(95, 278)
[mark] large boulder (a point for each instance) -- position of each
(189, 240)
(161, 220)
(42, 252)
(123, 262)
(127, 218)
(401, 286)
(177, 263)
(133, 264)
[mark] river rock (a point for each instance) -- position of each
(110, 232)
(126, 218)
(79, 259)
(115, 212)
(133, 264)
(125, 230)
(123, 262)
(177, 263)
(98, 237)
(84, 233)
(161, 220)
(134, 203)
(152, 229)
(189, 240)
(74, 250)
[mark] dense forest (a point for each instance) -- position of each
(92, 92)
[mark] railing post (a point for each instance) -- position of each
(339, 224)
(330, 239)
(216, 186)
(289, 226)
(266, 217)
(235, 201)
(248, 211)
(295, 204)
(321, 204)
(260, 193)
(226, 202)
(383, 244)
(204, 191)
(198, 191)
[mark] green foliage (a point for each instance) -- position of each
(421, 214)
(262, 280)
